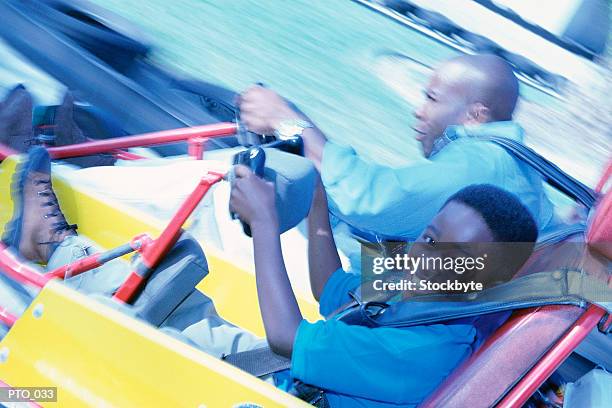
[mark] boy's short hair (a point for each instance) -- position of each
(511, 223)
(507, 218)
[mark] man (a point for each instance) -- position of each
(356, 365)
(467, 97)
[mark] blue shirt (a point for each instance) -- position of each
(400, 202)
(380, 367)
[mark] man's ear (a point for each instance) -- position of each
(478, 113)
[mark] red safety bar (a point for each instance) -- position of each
(6, 151)
(7, 318)
(18, 270)
(93, 261)
(196, 136)
(153, 252)
(145, 139)
(24, 274)
(543, 369)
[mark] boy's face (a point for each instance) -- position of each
(457, 222)
(457, 231)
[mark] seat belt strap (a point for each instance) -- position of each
(561, 287)
(548, 170)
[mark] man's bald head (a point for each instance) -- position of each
(485, 79)
(467, 90)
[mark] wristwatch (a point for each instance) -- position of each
(291, 128)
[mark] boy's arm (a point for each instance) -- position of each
(323, 259)
(253, 200)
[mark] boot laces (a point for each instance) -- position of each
(61, 224)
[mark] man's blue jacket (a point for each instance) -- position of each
(399, 202)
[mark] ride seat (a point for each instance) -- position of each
(483, 379)
(173, 281)
(511, 351)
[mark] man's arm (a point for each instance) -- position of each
(262, 110)
(253, 200)
(323, 259)
(365, 194)
(371, 196)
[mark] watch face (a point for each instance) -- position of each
(294, 130)
(291, 129)
(289, 132)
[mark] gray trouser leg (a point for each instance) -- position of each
(196, 314)
(104, 279)
(201, 326)
(217, 337)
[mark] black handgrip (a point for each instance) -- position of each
(255, 159)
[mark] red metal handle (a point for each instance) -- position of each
(19, 271)
(6, 151)
(553, 358)
(153, 252)
(145, 139)
(7, 318)
(74, 268)
(196, 147)
(131, 285)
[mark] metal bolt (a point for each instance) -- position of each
(38, 311)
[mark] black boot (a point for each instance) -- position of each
(67, 132)
(38, 224)
(16, 120)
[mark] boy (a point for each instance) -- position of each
(356, 365)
